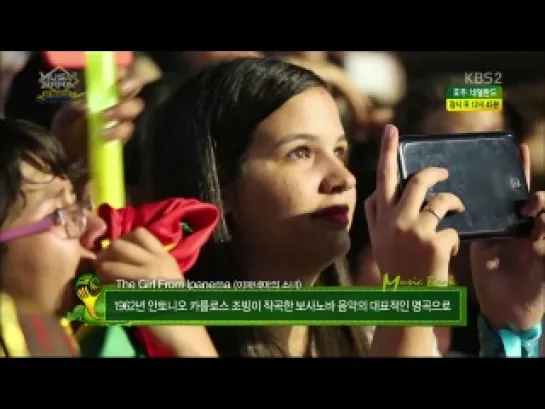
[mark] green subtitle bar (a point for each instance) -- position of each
(475, 92)
(314, 306)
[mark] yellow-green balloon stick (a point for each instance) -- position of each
(105, 157)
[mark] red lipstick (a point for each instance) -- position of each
(334, 214)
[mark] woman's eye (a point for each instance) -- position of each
(342, 153)
(302, 152)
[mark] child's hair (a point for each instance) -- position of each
(23, 141)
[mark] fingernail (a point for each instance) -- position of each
(129, 86)
(106, 133)
(388, 131)
(108, 129)
(387, 137)
(108, 114)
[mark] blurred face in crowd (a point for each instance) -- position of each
(40, 267)
(294, 199)
(11, 62)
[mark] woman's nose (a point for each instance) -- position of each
(337, 180)
(95, 230)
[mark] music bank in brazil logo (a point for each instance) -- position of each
(92, 308)
(59, 85)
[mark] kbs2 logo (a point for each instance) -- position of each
(483, 78)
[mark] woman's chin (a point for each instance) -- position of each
(334, 244)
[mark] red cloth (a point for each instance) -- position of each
(163, 219)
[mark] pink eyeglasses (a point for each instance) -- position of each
(73, 218)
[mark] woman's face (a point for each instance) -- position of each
(41, 267)
(295, 197)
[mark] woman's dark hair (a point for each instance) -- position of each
(22, 141)
(362, 164)
(203, 135)
(207, 126)
(429, 94)
(154, 95)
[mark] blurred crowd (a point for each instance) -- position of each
(371, 90)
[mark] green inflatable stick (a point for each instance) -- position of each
(105, 157)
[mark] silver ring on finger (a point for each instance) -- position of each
(430, 210)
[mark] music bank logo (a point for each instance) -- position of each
(59, 85)
(396, 281)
